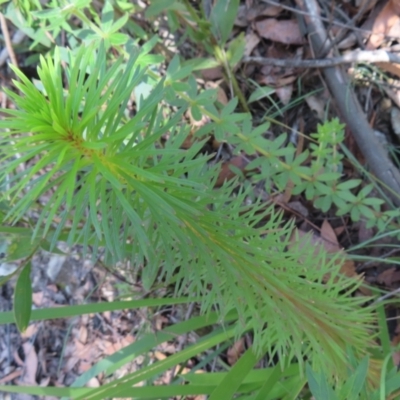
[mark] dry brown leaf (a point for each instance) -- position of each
(127, 340)
(241, 16)
(364, 233)
(329, 236)
(107, 315)
(388, 17)
(44, 382)
(317, 105)
(339, 230)
(265, 10)
(298, 207)
(31, 364)
(275, 78)
(386, 276)
(328, 242)
(83, 334)
(17, 358)
(30, 331)
(195, 125)
(251, 42)
(248, 13)
(159, 356)
(84, 366)
(284, 93)
(331, 245)
(389, 277)
(234, 352)
(221, 95)
(212, 74)
(11, 376)
(282, 31)
(76, 351)
(37, 298)
(348, 268)
(395, 29)
(109, 347)
(389, 67)
(226, 173)
(396, 6)
(159, 321)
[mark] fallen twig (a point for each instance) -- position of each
(349, 106)
(7, 40)
(329, 20)
(387, 296)
(363, 56)
(17, 38)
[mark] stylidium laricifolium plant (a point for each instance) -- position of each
(322, 181)
(116, 178)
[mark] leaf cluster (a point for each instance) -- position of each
(317, 173)
(109, 182)
(100, 142)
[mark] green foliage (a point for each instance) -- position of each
(118, 180)
(321, 180)
(355, 386)
(108, 175)
(280, 382)
(25, 7)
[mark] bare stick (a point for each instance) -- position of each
(364, 56)
(333, 22)
(4, 28)
(387, 295)
(17, 38)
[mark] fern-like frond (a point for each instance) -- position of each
(109, 182)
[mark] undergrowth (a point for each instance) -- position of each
(119, 180)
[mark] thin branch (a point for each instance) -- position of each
(387, 295)
(365, 56)
(17, 38)
(7, 40)
(349, 106)
(333, 22)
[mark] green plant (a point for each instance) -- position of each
(321, 182)
(113, 181)
(107, 173)
(355, 385)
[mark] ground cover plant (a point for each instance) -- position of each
(102, 150)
